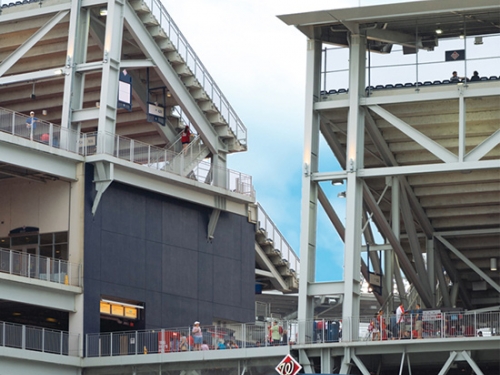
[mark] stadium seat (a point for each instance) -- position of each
(342, 91)
(389, 86)
(436, 82)
(483, 79)
(378, 87)
(409, 84)
(446, 81)
(398, 85)
(427, 83)
(323, 92)
(331, 92)
(493, 78)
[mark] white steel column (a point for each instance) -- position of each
(389, 255)
(76, 54)
(354, 161)
(309, 204)
(111, 67)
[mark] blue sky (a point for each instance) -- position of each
(259, 63)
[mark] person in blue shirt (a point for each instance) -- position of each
(31, 124)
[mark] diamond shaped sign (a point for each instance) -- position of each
(288, 366)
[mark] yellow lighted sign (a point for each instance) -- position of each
(117, 310)
(105, 308)
(131, 312)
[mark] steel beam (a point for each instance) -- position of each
(427, 143)
(464, 259)
(171, 79)
(309, 204)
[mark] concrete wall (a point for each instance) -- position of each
(153, 249)
(34, 204)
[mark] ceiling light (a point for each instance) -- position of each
(58, 72)
(462, 36)
(103, 11)
(493, 264)
(337, 182)
(439, 31)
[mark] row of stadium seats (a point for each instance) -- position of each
(408, 84)
(19, 3)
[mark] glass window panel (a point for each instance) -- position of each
(61, 237)
(61, 251)
(24, 240)
(46, 239)
(46, 251)
(5, 242)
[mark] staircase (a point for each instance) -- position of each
(191, 71)
(189, 158)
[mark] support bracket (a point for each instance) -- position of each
(103, 176)
(212, 223)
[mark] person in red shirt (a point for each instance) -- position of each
(186, 137)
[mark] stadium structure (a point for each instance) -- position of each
(114, 230)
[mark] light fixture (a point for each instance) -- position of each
(103, 11)
(478, 40)
(44, 112)
(462, 36)
(342, 194)
(337, 182)
(58, 72)
(439, 31)
(493, 264)
(169, 94)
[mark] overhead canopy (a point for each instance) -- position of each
(403, 23)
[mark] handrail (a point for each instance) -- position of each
(39, 339)
(161, 159)
(39, 267)
(44, 132)
(198, 69)
(435, 325)
(278, 239)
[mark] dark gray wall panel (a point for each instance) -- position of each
(153, 249)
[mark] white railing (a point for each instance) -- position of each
(198, 69)
(43, 132)
(162, 159)
(39, 339)
(254, 335)
(93, 143)
(265, 223)
(39, 267)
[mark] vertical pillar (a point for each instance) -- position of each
(76, 53)
(389, 254)
(75, 251)
(309, 191)
(354, 202)
(461, 125)
(219, 170)
(111, 69)
(431, 269)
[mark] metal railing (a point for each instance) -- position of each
(42, 132)
(162, 159)
(383, 69)
(265, 223)
(39, 267)
(197, 68)
(254, 335)
(39, 339)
